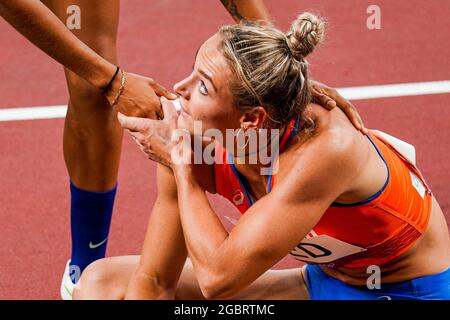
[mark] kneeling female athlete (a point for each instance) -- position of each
(342, 201)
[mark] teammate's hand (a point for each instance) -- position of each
(154, 137)
(140, 97)
(329, 98)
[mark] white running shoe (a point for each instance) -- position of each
(67, 285)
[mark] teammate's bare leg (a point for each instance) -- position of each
(92, 135)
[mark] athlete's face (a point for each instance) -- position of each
(205, 94)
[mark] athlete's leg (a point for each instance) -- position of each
(108, 279)
(287, 284)
(92, 135)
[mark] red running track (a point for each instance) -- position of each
(159, 38)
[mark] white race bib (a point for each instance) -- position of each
(324, 249)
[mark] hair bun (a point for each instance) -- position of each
(306, 32)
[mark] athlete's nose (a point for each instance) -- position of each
(181, 88)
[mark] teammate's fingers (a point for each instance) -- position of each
(162, 91)
(362, 128)
(348, 108)
(354, 117)
(326, 101)
(156, 112)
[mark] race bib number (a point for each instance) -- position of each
(323, 249)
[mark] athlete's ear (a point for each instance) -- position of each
(253, 118)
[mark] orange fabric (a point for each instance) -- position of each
(383, 227)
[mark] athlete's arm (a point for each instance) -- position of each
(37, 23)
(225, 263)
(251, 10)
(164, 251)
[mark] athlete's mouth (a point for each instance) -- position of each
(177, 105)
(182, 109)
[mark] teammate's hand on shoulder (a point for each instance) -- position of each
(329, 98)
(139, 96)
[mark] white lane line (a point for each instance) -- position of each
(33, 113)
(395, 90)
(351, 93)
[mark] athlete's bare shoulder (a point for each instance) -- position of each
(330, 138)
(329, 128)
(325, 120)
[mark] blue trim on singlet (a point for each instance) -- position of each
(294, 132)
(269, 181)
(376, 195)
(243, 181)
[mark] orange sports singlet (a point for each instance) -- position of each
(370, 232)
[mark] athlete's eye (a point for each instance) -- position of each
(203, 89)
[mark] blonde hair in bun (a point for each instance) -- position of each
(270, 66)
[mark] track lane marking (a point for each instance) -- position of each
(351, 93)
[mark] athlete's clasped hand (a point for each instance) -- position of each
(154, 137)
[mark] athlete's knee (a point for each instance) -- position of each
(94, 282)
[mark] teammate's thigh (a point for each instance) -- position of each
(99, 21)
(98, 29)
(288, 284)
(92, 134)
